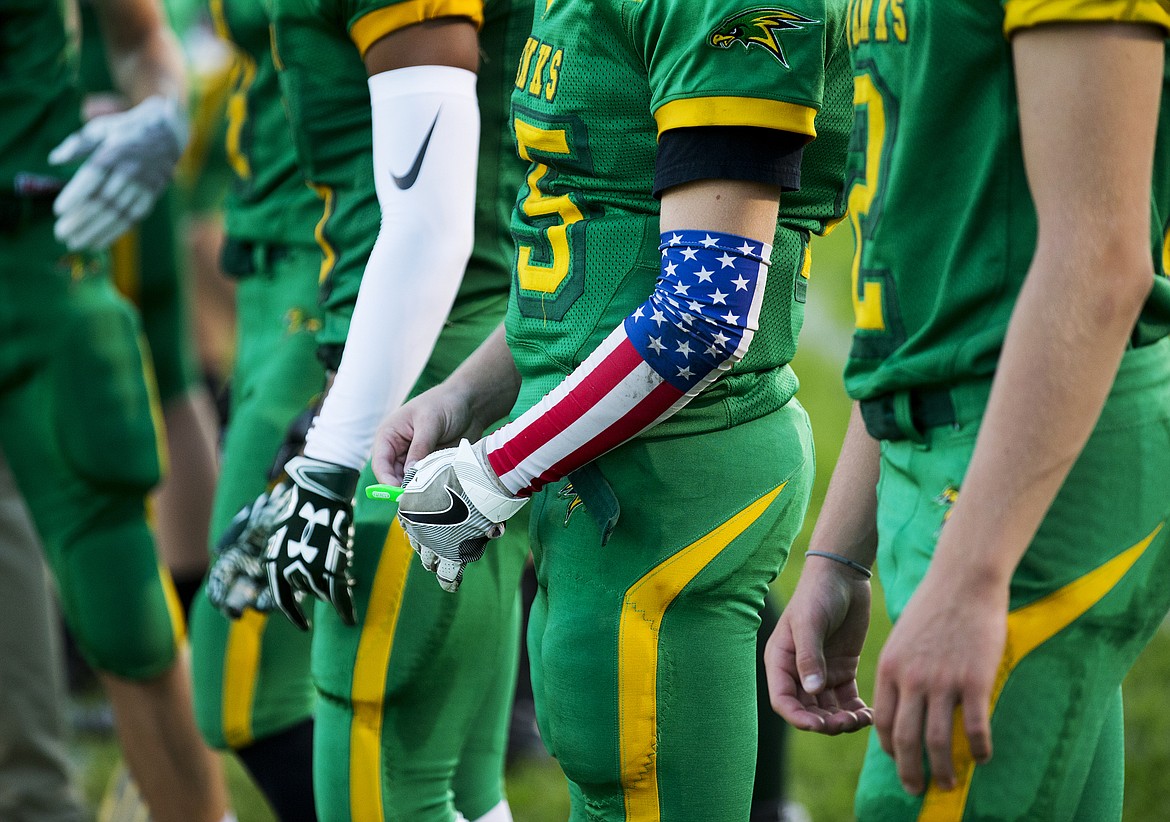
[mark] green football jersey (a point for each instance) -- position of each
(596, 86)
(39, 98)
(319, 46)
(269, 201)
(939, 200)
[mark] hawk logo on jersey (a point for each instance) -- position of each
(759, 27)
(575, 501)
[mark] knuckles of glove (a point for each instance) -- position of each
(443, 526)
(308, 552)
(236, 580)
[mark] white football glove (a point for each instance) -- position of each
(236, 579)
(452, 503)
(129, 159)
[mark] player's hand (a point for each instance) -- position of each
(436, 419)
(811, 658)
(311, 543)
(236, 581)
(129, 158)
(451, 505)
(943, 654)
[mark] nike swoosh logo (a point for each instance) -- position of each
(407, 180)
(455, 514)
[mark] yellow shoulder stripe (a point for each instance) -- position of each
(1020, 14)
(736, 111)
(372, 27)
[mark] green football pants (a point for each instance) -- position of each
(145, 266)
(252, 674)
(643, 650)
(1085, 599)
(78, 423)
(414, 703)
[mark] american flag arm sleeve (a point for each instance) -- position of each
(696, 325)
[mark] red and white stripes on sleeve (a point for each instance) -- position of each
(696, 325)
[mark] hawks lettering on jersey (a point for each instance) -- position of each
(878, 21)
(539, 76)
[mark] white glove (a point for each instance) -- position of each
(129, 159)
(452, 503)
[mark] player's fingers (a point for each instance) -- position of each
(138, 202)
(77, 228)
(81, 187)
(101, 231)
(940, 723)
(906, 739)
(285, 598)
(77, 145)
(390, 446)
(784, 692)
(424, 440)
(976, 722)
(430, 559)
(450, 574)
(885, 705)
(809, 651)
(341, 596)
(117, 189)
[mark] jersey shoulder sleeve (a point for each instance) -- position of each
(1020, 14)
(370, 20)
(734, 62)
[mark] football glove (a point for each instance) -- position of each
(452, 503)
(311, 542)
(129, 159)
(236, 581)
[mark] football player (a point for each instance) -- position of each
(1007, 456)
(252, 689)
(422, 230)
(145, 265)
(659, 289)
(76, 404)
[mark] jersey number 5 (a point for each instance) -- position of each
(549, 252)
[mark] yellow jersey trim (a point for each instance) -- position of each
(125, 256)
(327, 249)
(375, 25)
(1019, 14)
(643, 608)
(736, 111)
(369, 676)
(174, 607)
(241, 667)
(1028, 628)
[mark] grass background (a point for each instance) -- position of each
(824, 770)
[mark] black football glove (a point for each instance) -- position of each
(311, 542)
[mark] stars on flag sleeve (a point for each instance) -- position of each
(702, 315)
(696, 325)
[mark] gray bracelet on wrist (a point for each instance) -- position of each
(856, 566)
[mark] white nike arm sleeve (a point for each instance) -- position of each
(426, 147)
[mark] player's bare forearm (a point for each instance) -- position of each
(144, 55)
(1088, 101)
(813, 654)
(487, 380)
(847, 524)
